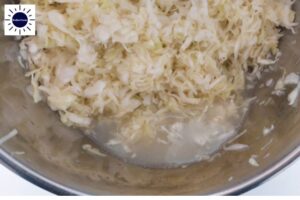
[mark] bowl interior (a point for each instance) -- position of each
(54, 152)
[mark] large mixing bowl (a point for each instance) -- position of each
(54, 158)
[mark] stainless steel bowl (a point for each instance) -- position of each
(54, 158)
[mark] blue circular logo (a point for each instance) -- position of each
(20, 19)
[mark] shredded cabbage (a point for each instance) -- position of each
(135, 60)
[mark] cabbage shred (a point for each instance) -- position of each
(136, 60)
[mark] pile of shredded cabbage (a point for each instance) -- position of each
(136, 60)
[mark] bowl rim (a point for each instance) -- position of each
(59, 189)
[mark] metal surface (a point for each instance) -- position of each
(54, 158)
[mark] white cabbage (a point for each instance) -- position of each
(134, 60)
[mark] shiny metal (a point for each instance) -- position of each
(54, 158)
